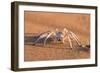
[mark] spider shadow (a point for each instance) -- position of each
(30, 40)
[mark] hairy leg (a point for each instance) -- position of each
(52, 33)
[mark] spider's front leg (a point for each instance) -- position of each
(67, 37)
(76, 39)
(63, 39)
(70, 42)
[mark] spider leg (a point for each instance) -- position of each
(64, 38)
(75, 38)
(66, 35)
(65, 30)
(40, 37)
(52, 33)
(70, 42)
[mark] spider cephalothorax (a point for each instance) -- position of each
(59, 36)
(62, 36)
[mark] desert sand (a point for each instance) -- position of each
(39, 22)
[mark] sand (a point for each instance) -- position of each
(39, 22)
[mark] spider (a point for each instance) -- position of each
(62, 36)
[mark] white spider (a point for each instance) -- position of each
(60, 36)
